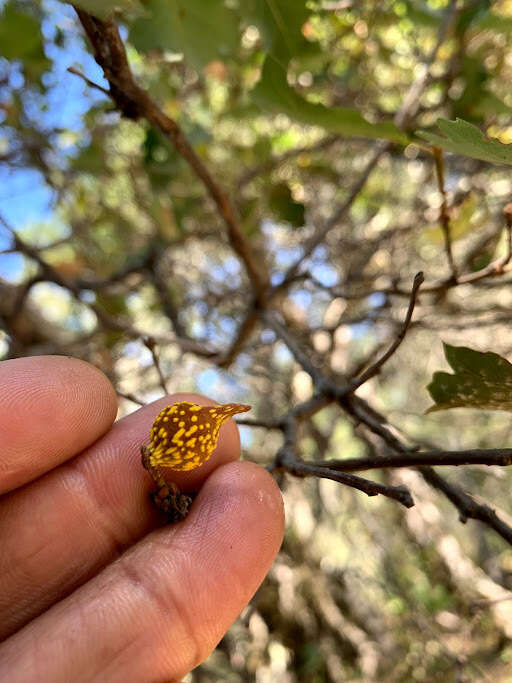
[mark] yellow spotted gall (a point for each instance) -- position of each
(184, 435)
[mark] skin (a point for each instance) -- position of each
(92, 586)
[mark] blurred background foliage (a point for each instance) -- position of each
(107, 234)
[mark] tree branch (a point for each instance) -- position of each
(133, 102)
(50, 274)
(498, 267)
(245, 329)
(287, 460)
(299, 468)
(320, 234)
(364, 413)
(477, 456)
(466, 505)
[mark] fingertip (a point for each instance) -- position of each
(248, 488)
(237, 523)
(231, 537)
(52, 408)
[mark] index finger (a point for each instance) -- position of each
(51, 408)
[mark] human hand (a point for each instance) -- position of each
(91, 589)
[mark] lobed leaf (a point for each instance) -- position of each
(274, 95)
(480, 380)
(464, 138)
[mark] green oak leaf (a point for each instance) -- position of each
(203, 31)
(480, 380)
(464, 138)
(274, 95)
(280, 24)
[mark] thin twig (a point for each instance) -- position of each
(170, 309)
(372, 488)
(444, 215)
(412, 99)
(319, 236)
(244, 331)
(90, 83)
(496, 268)
(150, 344)
(375, 367)
(131, 397)
(321, 382)
(254, 422)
